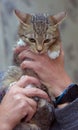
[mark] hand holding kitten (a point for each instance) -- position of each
(17, 103)
(51, 72)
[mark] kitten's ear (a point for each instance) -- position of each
(23, 17)
(60, 17)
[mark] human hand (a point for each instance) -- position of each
(51, 72)
(17, 103)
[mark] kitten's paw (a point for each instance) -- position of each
(54, 54)
(21, 43)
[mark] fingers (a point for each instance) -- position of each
(28, 92)
(23, 97)
(24, 52)
(31, 112)
(28, 64)
(31, 103)
(33, 92)
(19, 49)
(36, 66)
(25, 80)
(32, 106)
(25, 105)
(27, 54)
(28, 105)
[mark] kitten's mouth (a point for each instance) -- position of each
(38, 51)
(42, 51)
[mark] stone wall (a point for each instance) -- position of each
(69, 28)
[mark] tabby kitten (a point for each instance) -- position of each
(40, 32)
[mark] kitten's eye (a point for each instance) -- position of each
(32, 40)
(47, 40)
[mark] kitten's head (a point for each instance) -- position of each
(39, 31)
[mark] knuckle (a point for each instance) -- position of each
(17, 97)
(25, 77)
(36, 90)
(13, 91)
(23, 64)
(28, 79)
(23, 104)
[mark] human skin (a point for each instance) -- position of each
(17, 103)
(51, 72)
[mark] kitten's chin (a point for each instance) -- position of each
(38, 52)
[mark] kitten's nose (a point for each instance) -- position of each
(39, 50)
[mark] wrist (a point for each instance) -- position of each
(61, 83)
(4, 123)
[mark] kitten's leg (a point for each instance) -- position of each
(54, 51)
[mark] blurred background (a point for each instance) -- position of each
(69, 28)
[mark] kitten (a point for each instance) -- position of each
(40, 32)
